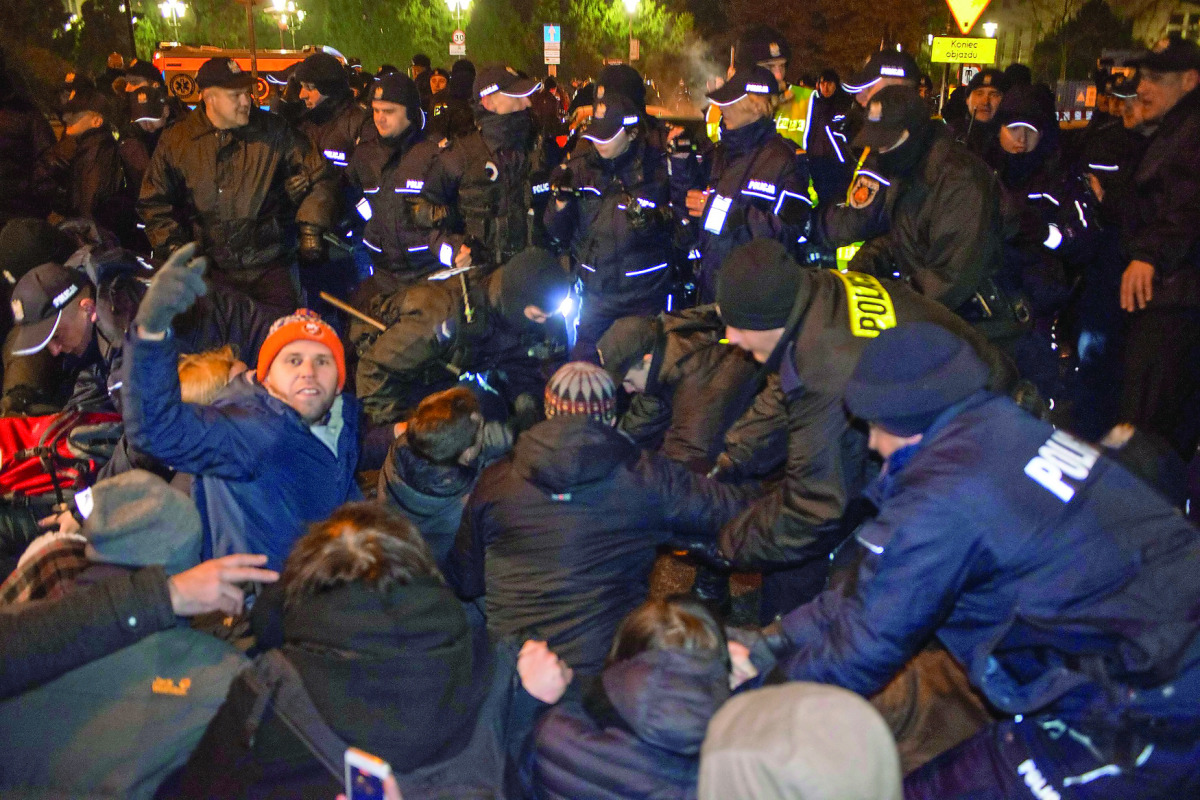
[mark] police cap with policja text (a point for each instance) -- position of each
(223, 73)
(38, 301)
(747, 80)
(761, 43)
(610, 116)
(1173, 54)
(892, 111)
(883, 64)
(503, 79)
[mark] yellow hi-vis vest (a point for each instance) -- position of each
(792, 118)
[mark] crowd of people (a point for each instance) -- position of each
(373, 417)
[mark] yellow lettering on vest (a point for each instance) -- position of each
(871, 309)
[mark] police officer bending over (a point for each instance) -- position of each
(811, 326)
(1064, 584)
(491, 331)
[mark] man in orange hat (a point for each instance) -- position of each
(275, 451)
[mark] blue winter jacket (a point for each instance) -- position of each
(262, 476)
(1054, 575)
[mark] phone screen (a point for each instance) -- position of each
(364, 785)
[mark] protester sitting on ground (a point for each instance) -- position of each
(277, 450)
(799, 741)
(380, 651)
(152, 699)
(561, 534)
(43, 639)
(433, 466)
(637, 730)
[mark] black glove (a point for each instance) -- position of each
(173, 290)
(707, 554)
(297, 187)
(312, 243)
(563, 185)
(767, 646)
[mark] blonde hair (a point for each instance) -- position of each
(203, 375)
(676, 623)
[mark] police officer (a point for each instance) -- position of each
(149, 116)
(811, 327)
(943, 210)
(389, 172)
(827, 147)
(227, 175)
(489, 330)
(332, 119)
(984, 93)
(480, 189)
(1058, 579)
(766, 47)
(753, 186)
(612, 211)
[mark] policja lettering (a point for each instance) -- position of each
(871, 309)
(1061, 457)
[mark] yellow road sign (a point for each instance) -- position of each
(958, 49)
(966, 12)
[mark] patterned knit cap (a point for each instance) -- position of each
(584, 389)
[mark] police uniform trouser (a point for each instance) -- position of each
(1046, 759)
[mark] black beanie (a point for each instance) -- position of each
(324, 72)
(396, 87)
(624, 80)
(462, 78)
(758, 285)
(908, 375)
(533, 277)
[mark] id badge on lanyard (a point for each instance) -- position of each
(714, 221)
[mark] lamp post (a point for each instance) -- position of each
(631, 6)
(172, 10)
(458, 7)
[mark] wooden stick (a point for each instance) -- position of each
(354, 312)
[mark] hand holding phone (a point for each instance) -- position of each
(369, 777)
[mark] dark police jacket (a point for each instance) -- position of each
(480, 192)
(389, 175)
(945, 236)
(618, 227)
(337, 127)
(827, 462)
(1053, 574)
(225, 188)
(759, 190)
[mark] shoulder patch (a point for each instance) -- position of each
(863, 191)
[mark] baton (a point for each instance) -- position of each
(354, 312)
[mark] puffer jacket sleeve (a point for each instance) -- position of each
(44, 639)
(800, 519)
(205, 440)
(691, 505)
(921, 555)
(756, 443)
(388, 368)
(320, 206)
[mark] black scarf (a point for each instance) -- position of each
(504, 131)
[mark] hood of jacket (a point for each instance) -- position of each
(667, 697)
(370, 659)
(571, 451)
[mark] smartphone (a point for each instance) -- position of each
(365, 775)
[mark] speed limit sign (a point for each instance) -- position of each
(459, 37)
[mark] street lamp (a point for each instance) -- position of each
(285, 10)
(172, 10)
(989, 29)
(458, 7)
(631, 6)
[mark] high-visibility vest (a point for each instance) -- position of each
(792, 118)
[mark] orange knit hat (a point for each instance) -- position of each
(303, 324)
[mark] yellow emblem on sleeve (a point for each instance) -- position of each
(871, 309)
